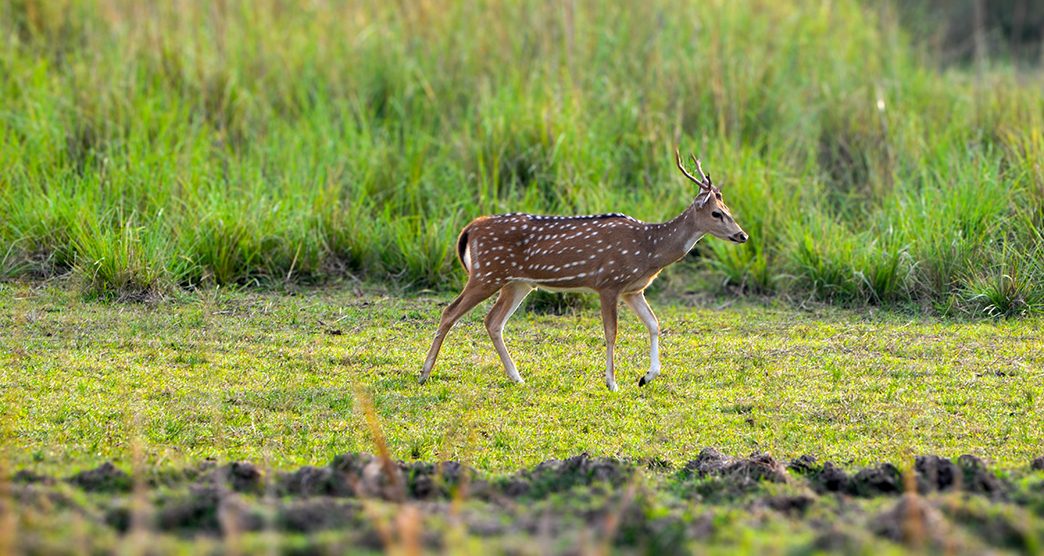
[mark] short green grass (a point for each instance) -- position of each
(273, 377)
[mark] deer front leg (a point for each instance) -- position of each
(609, 312)
(510, 298)
(637, 303)
(472, 295)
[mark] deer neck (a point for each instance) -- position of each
(677, 237)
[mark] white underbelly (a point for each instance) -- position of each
(551, 288)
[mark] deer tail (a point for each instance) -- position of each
(462, 249)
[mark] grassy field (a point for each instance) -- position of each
(172, 391)
(273, 378)
(152, 147)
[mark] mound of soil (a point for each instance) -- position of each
(976, 478)
(759, 466)
(556, 475)
(792, 505)
(317, 514)
(307, 481)
(936, 473)
(104, 478)
(347, 475)
(884, 478)
(822, 478)
(428, 480)
(831, 478)
(242, 476)
(932, 474)
(365, 475)
(836, 540)
(564, 499)
(206, 508)
(638, 526)
(804, 465)
(912, 521)
(1008, 529)
(27, 477)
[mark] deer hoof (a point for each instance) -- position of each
(422, 379)
(612, 386)
(642, 382)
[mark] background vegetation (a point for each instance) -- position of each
(154, 146)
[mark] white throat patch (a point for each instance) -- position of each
(691, 242)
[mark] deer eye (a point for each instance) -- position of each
(717, 215)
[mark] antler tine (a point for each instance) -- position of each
(707, 183)
(677, 158)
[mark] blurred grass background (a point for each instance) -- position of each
(877, 153)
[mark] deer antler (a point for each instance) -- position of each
(705, 182)
(699, 168)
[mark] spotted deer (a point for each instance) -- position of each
(613, 255)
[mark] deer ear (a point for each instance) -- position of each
(702, 199)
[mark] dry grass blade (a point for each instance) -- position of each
(139, 538)
(373, 424)
(913, 521)
(612, 519)
(8, 520)
(403, 531)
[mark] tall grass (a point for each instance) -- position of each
(150, 146)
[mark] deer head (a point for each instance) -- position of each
(711, 213)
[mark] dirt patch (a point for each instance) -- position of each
(104, 478)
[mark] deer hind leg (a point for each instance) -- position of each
(609, 314)
(472, 295)
(637, 303)
(510, 298)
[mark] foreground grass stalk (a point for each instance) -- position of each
(402, 531)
